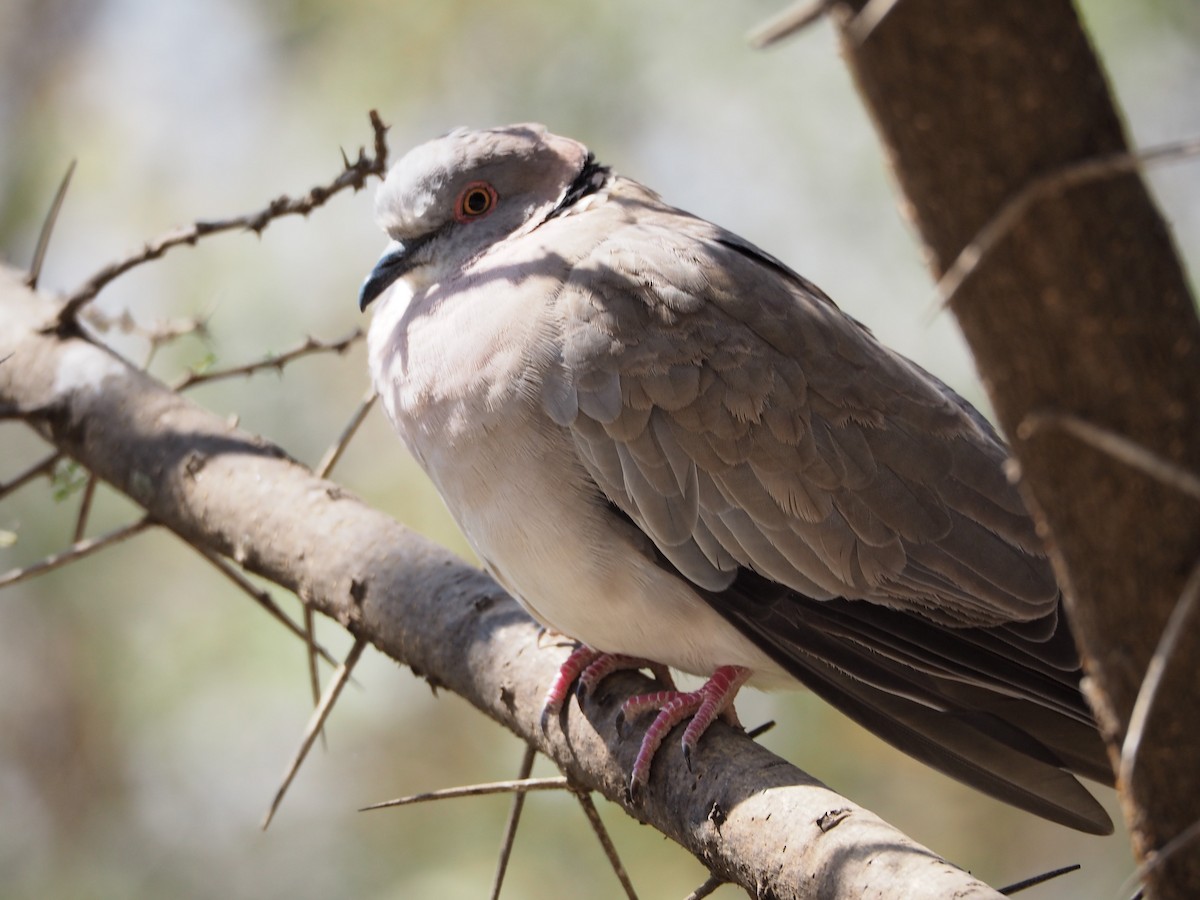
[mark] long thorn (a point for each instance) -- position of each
(510, 827)
(263, 599)
(1185, 606)
(334, 453)
(85, 508)
(315, 723)
(1119, 447)
(1072, 175)
(314, 675)
(1034, 881)
(610, 850)
(1157, 858)
(476, 790)
(43, 241)
(787, 22)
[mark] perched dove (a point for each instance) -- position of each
(669, 446)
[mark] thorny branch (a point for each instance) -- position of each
(354, 176)
(309, 347)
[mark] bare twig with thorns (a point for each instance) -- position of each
(157, 335)
(77, 550)
(1058, 181)
(354, 176)
(310, 347)
(315, 724)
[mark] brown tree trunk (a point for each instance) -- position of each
(1081, 309)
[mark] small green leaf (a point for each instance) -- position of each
(69, 478)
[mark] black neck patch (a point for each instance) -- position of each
(591, 178)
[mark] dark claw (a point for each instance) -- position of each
(581, 692)
(633, 792)
(622, 725)
(687, 758)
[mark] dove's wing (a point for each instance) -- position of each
(835, 502)
(741, 420)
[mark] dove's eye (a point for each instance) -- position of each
(476, 200)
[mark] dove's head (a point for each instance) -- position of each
(450, 199)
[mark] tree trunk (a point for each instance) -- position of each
(1081, 310)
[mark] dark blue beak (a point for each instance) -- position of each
(396, 260)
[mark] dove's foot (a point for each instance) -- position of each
(714, 698)
(589, 667)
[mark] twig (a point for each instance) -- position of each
(707, 889)
(1058, 181)
(610, 850)
(1164, 651)
(315, 723)
(314, 674)
(557, 783)
(1117, 446)
(334, 453)
(77, 550)
(510, 827)
(1034, 881)
(310, 347)
(263, 599)
(43, 467)
(328, 461)
(787, 22)
(43, 241)
(354, 175)
(85, 507)
(161, 333)
(867, 20)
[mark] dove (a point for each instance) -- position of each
(670, 447)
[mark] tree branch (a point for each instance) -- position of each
(746, 814)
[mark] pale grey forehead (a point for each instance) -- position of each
(415, 183)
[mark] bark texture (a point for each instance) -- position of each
(1082, 309)
(749, 816)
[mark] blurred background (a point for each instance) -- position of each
(146, 709)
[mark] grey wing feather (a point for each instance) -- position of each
(739, 418)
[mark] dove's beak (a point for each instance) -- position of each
(396, 260)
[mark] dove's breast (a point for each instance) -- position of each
(471, 413)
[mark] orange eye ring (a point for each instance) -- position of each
(475, 201)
